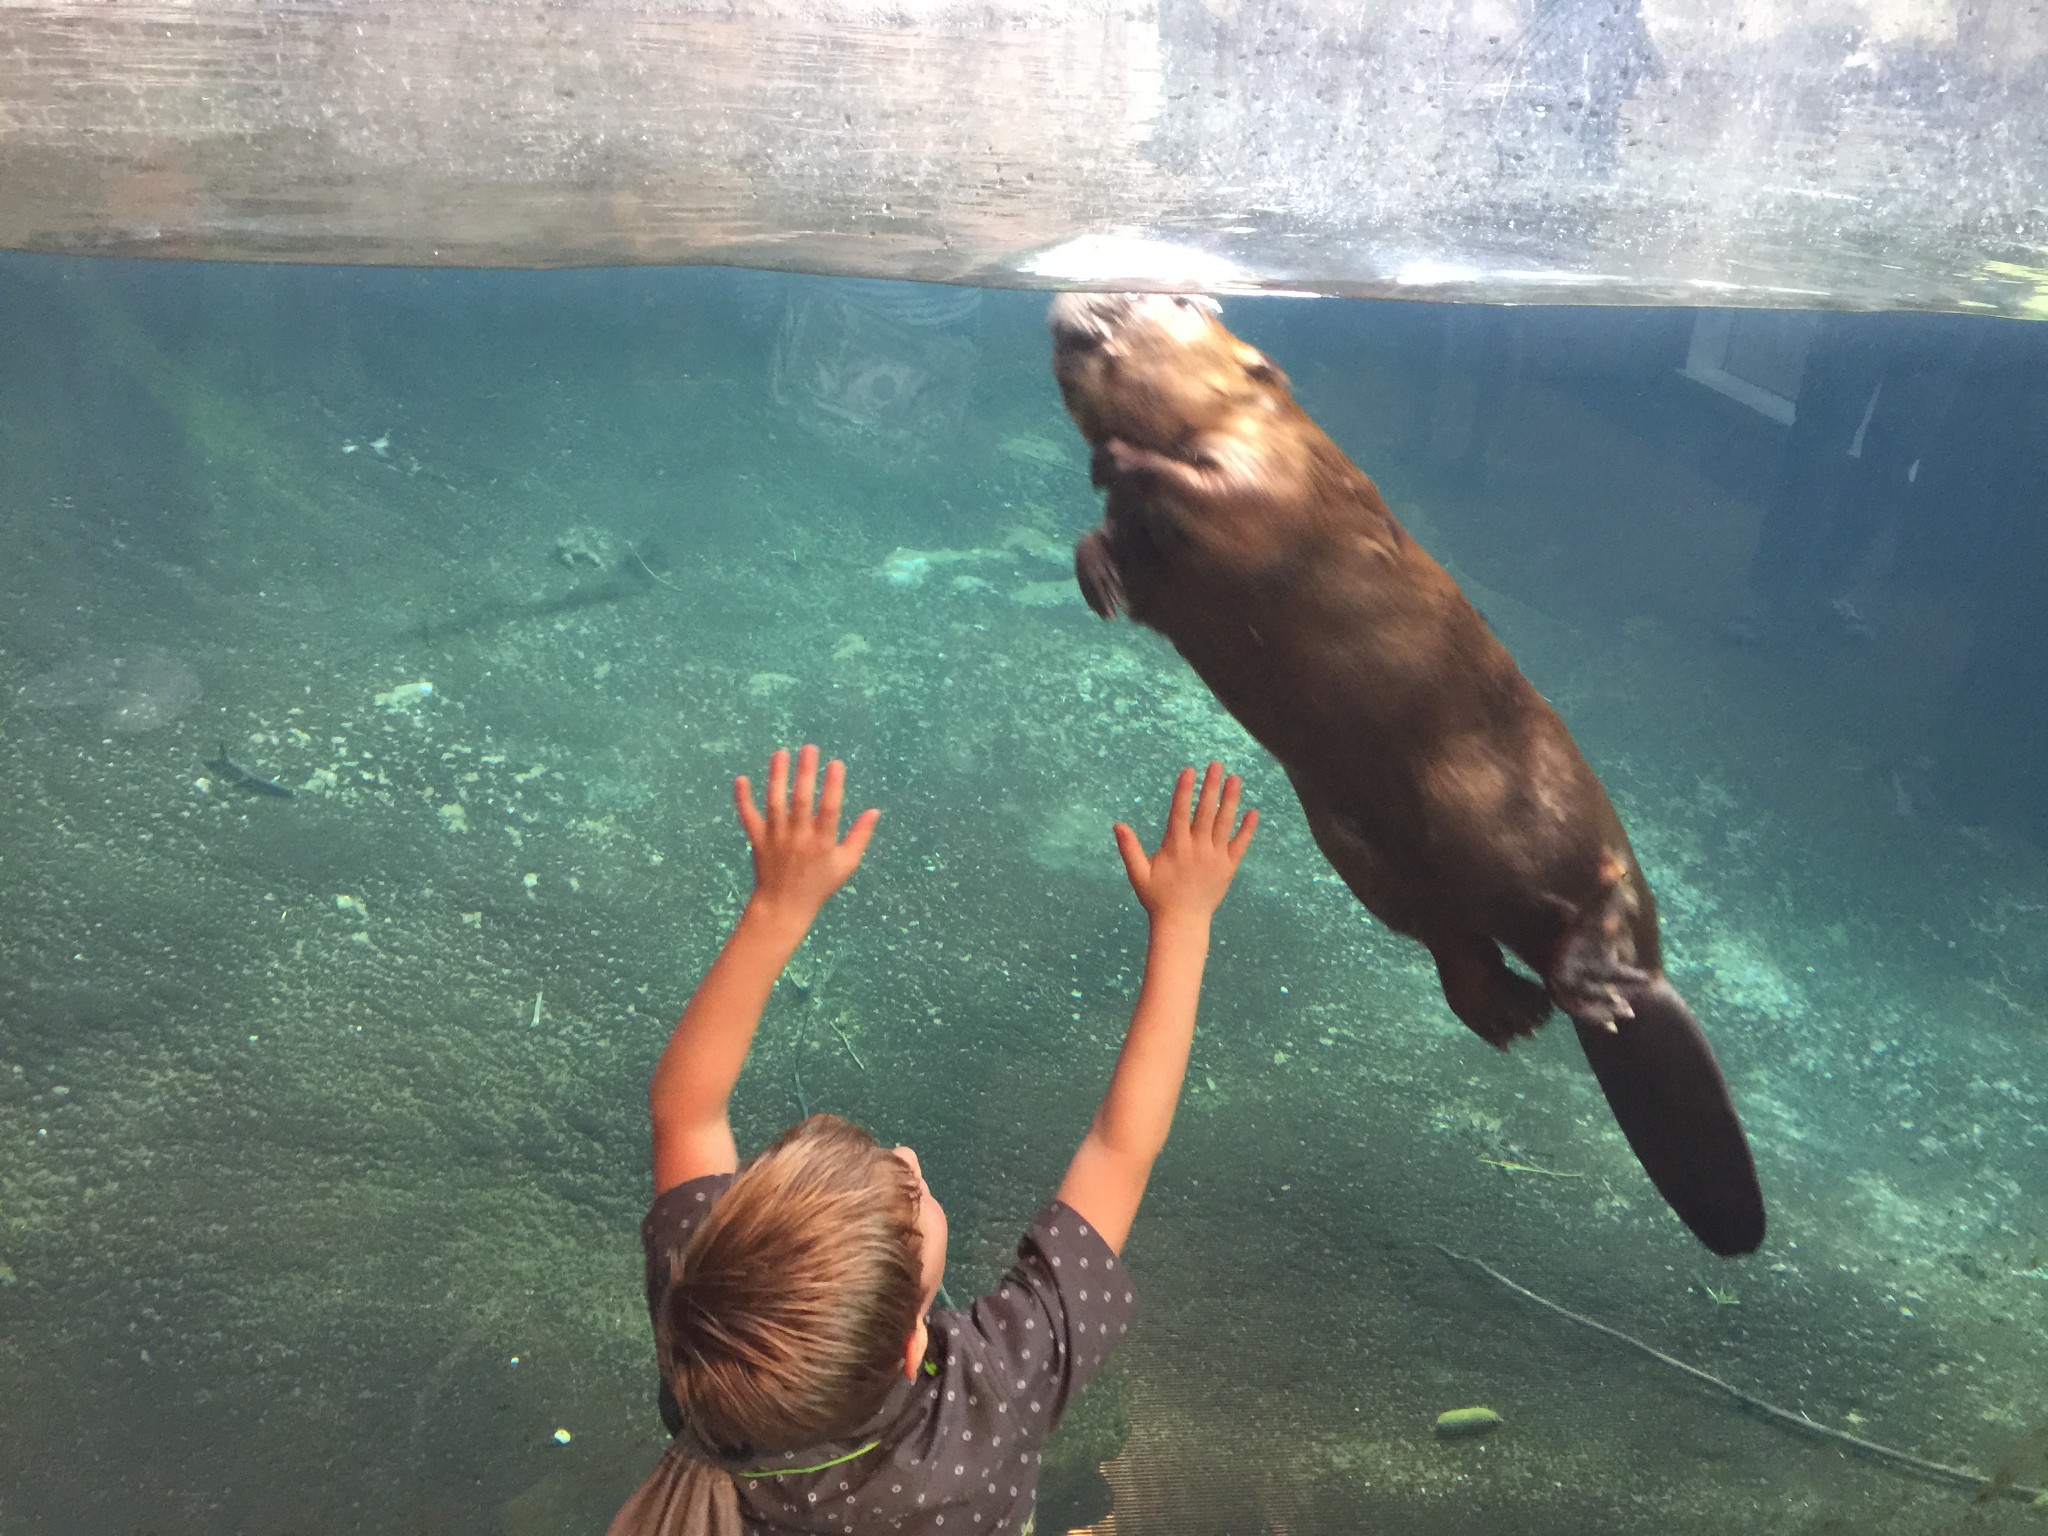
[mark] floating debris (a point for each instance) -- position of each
(404, 696)
(586, 547)
(1465, 1423)
(849, 1047)
(1506, 1166)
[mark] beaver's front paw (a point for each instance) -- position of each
(1106, 463)
(1115, 460)
(1102, 584)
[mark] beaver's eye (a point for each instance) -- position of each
(1260, 371)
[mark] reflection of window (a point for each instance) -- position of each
(1755, 356)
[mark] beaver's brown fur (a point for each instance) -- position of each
(1437, 781)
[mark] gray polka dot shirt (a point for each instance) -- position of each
(959, 1446)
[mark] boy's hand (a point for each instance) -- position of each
(799, 861)
(1198, 855)
(799, 857)
(1180, 888)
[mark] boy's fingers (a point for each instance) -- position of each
(834, 798)
(806, 779)
(743, 802)
(1243, 839)
(778, 785)
(1226, 810)
(1205, 806)
(1183, 798)
(1132, 848)
(856, 840)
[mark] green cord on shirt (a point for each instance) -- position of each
(930, 1369)
(821, 1466)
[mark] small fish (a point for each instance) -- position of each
(381, 446)
(234, 773)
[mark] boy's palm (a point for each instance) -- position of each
(799, 857)
(1200, 850)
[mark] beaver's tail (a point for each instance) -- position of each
(1666, 1090)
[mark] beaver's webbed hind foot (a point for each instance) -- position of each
(1497, 1004)
(1594, 975)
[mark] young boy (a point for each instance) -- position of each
(808, 1381)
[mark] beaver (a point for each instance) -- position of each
(1438, 783)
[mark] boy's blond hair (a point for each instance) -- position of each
(788, 1306)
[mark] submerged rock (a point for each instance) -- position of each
(137, 690)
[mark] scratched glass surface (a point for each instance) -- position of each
(1835, 154)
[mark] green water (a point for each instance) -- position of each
(322, 1125)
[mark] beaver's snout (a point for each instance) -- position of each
(1091, 319)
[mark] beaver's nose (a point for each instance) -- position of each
(1087, 319)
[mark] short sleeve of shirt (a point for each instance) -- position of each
(1052, 1322)
(665, 1228)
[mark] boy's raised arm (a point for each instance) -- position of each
(799, 861)
(1180, 887)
